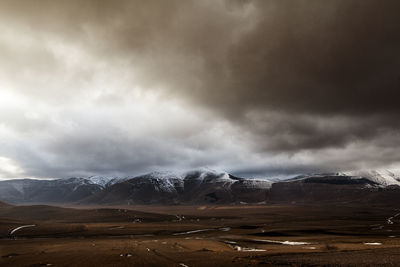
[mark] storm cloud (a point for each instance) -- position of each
(253, 87)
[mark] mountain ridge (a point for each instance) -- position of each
(200, 186)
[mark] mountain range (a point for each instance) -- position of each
(204, 186)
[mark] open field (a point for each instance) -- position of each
(200, 236)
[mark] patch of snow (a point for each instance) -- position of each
(381, 177)
(253, 249)
(165, 175)
(116, 227)
(105, 181)
(389, 220)
(290, 243)
(21, 227)
(193, 232)
(257, 183)
(229, 242)
(244, 249)
(373, 244)
(179, 218)
(19, 187)
(208, 175)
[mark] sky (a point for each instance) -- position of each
(256, 88)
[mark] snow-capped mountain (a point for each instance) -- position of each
(380, 177)
(194, 186)
(201, 186)
(374, 187)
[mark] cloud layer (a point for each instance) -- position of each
(253, 87)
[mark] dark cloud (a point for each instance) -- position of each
(313, 57)
(287, 77)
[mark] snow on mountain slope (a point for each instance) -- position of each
(105, 181)
(257, 183)
(160, 181)
(165, 175)
(167, 180)
(204, 176)
(100, 180)
(201, 174)
(195, 186)
(18, 187)
(381, 177)
(208, 176)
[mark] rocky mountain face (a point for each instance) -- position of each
(199, 186)
(206, 187)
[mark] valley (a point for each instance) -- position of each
(194, 235)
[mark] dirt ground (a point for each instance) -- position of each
(291, 235)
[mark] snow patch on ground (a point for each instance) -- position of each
(244, 249)
(193, 232)
(389, 220)
(21, 227)
(372, 244)
(290, 243)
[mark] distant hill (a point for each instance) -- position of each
(3, 204)
(334, 189)
(47, 191)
